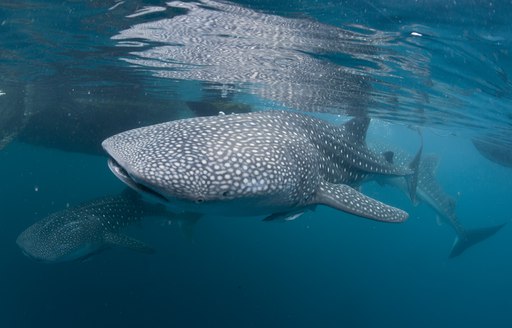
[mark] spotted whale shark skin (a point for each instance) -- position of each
(259, 163)
(78, 232)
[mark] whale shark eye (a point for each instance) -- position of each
(199, 200)
(225, 194)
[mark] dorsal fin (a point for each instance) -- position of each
(356, 129)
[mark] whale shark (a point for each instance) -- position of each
(429, 191)
(77, 233)
(497, 149)
(273, 163)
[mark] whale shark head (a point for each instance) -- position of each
(56, 240)
(211, 160)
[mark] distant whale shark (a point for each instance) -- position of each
(430, 191)
(273, 163)
(78, 232)
(496, 149)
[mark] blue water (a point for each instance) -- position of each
(74, 73)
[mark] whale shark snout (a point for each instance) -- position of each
(122, 175)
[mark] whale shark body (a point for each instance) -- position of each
(78, 232)
(273, 163)
(430, 192)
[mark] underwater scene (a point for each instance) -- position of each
(255, 163)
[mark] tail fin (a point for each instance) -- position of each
(473, 237)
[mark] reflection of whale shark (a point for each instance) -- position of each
(274, 162)
(429, 191)
(498, 150)
(79, 232)
(285, 60)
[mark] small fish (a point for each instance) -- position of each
(79, 232)
(274, 163)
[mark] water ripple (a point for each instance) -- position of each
(412, 72)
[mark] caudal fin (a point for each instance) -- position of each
(472, 237)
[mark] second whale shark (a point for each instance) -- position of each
(273, 163)
(79, 232)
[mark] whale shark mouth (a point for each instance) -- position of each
(122, 175)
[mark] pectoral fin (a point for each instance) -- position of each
(127, 242)
(347, 199)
